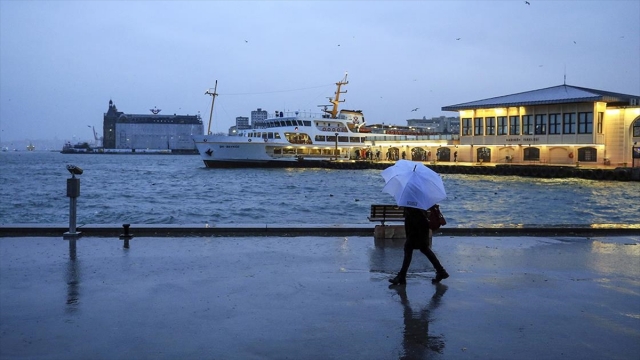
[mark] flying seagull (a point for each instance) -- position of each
(528, 3)
(416, 109)
(458, 38)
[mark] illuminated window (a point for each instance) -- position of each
(588, 154)
(502, 125)
(531, 154)
(585, 123)
(466, 126)
(555, 126)
(491, 125)
(600, 122)
(478, 126)
(636, 128)
(541, 124)
(484, 154)
(527, 125)
(569, 123)
(514, 125)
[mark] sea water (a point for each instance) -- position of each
(178, 189)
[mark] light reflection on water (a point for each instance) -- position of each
(179, 190)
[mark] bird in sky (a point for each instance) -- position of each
(246, 41)
(458, 38)
(528, 3)
(574, 42)
(416, 109)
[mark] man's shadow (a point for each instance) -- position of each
(416, 341)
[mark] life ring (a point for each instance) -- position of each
(324, 129)
(265, 140)
(249, 140)
(205, 139)
(355, 118)
(334, 129)
(570, 155)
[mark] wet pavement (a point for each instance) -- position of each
(318, 298)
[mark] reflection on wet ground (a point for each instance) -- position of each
(318, 298)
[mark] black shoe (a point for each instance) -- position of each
(398, 280)
(440, 275)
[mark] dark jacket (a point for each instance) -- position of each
(416, 227)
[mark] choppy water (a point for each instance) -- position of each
(163, 189)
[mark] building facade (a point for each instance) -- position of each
(557, 125)
(149, 131)
(242, 122)
(258, 117)
(437, 125)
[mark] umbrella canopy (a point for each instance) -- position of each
(413, 185)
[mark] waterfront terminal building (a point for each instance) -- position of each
(149, 132)
(557, 125)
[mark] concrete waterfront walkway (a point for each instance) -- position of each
(312, 297)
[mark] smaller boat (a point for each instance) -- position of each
(79, 148)
(30, 147)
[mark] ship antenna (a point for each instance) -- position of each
(336, 101)
(213, 99)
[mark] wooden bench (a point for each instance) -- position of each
(384, 213)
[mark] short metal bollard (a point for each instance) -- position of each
(73, 192)
(126, 236)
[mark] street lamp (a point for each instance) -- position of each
(336, 151)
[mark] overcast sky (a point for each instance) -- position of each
(61, 61)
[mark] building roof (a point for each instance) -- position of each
(560, 94)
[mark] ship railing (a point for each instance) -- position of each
(300, 114)
(435, 137)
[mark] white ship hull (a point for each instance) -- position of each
(263, 148)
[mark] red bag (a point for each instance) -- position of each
(436, 219)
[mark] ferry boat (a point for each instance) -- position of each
(296, 139)
(79, 148)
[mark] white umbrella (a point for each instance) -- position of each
(413, 185)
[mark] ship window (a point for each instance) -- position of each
(299, 122)
(270, 136)
(307, 123)
(265, 135)
(354, 139)
(289, 151)
(277, 151)
(289, 123)
(303, 151)
(320, 138)
(315, 152)
(331, 138)
(343, 139)
(277, 135)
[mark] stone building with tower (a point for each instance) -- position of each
(149, 132)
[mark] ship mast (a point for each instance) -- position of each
(336, 101)
(213, 99)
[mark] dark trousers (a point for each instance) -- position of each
(408, 255)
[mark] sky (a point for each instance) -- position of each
(62, 61)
